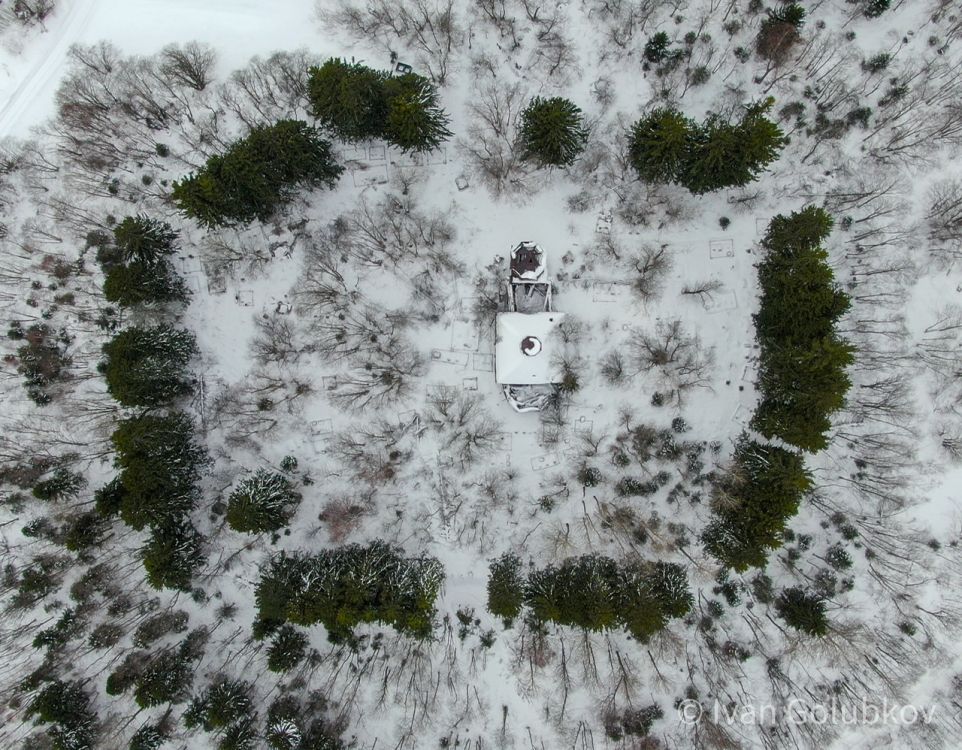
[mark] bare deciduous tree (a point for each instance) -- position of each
(430, 28)
(490, 146)
(466, 428)
(677, 357)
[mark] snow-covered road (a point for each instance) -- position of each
(238, 29)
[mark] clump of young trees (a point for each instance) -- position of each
(357, 103)
(42, 358)
(802, 377)
(257, 175)
(592, 592)
(341, 588)
(752, 503)
(667, 146)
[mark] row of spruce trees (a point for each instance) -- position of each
(344, 587)
(353, 102)
(146, 370)
(591, 592)
(803, 381)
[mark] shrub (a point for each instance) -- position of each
(159, 625)
(779, 33)
(43, 359)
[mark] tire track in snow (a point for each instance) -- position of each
(49, 63)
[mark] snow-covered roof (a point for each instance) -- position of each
(527, 263)
(524, 347)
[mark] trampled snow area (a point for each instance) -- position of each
(415, 250)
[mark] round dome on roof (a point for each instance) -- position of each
(531, 346)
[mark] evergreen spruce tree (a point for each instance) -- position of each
(415, 121)
(581, 592)
(165, 679)
(351, 585)
(140, 283)
(265, 501)
(109, 499)
(143, 239)
(283, 727)
(148, 737)
(712, 161)
(349, 99)
(659, 144)
(160, 463)
(173, 554)
(802, 611)
(656, 48)
(760, 141)
(506, 587)
(668, 585)
(147, 366)
(66, 706)
(287, 650)
(225, 703)
(552, 132)
(61, 484)
(85, 531)
(257, 175)
(752, 504)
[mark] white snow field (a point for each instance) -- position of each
(414, 250)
